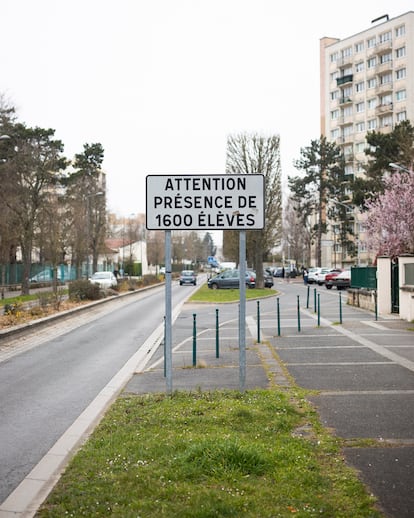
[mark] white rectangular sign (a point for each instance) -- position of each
(205, 202)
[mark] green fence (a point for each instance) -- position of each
(364, 277)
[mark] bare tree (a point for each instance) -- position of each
(258, 154)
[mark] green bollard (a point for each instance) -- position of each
(314, 300)
(278, 317)
(298, 315)
(340, 308)
(258, 322)
(194, 340)
(319, 310)
(217, 333)
(307, 297)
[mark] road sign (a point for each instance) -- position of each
(205, 202)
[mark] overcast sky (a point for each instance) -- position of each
(161, 83)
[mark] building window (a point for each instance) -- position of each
(372, 103)
(347, 92)
(385, 100)
(386, 58)
(360, 126)
(385, 36)
(372, 124)
(371, 42)
(371, 63)
(401, 116)
(360, 147)
(334, 95)
(372, 83)
(334, 114)
(347, 131)
(400, 53)
(359, 67)
(386, 78)
(359, 47)
(386, 121)
(359, 87)
(347, 52)
(400, 95)
(334, 57)
(347, 111)
(334, 75)
(335, 134)
(360, 107)
(400, 31)
(401, 73)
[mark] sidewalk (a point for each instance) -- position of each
(363, 370)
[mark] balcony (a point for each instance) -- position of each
(384, 108)
(384, 88)
(344, 79)
(345, 100)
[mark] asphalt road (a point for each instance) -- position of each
(49, 376)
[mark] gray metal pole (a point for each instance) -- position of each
(242, 312)
(168, 312)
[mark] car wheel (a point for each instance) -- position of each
(214, 286)
(328, 287)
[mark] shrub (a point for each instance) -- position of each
(84, 290)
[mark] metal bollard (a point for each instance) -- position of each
(278, 317)
(258, 322)
(298, 315)
(314, 300)
(307, 297)
(340, 308)
(217, 333)
(194, 340)
(319, 310)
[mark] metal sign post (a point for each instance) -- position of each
(242, 311)
(205, 202)
(168, 312)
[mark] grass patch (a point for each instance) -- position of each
(208, 454)
(206, 294)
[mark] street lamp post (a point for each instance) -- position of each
(399, 167)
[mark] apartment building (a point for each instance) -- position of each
(366, 83)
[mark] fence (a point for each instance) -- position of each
(364, 277)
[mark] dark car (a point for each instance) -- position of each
(188, 277)
(268, 279)
(231, 279)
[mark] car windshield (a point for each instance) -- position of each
(187, 274)
(101, 275)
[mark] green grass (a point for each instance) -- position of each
(206, 294)
(211, 454)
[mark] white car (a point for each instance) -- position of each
(104, 279)
(313, 275)
(322, 274)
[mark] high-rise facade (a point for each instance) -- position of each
(366, 84)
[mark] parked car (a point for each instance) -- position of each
(342, 280)
(324, 272)
(231, 279)
(329, 277)
(313, 274)
(188, 277)
(268, 279)
(104, 279)
(278, 272)
(45, 276)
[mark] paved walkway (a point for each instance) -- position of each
(362, 370)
